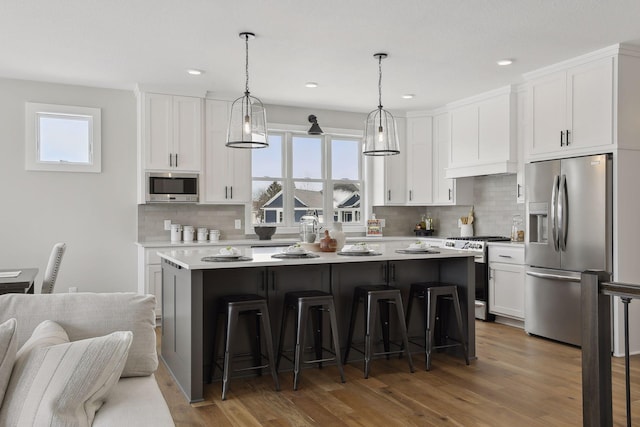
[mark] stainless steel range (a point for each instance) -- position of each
(478, 245)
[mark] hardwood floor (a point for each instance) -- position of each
(517, 380)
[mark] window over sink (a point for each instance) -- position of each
(299, 173)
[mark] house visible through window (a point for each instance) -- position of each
(62, 138)
(299, 174)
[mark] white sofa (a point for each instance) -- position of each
(136, 399)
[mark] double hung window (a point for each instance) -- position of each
(299, 174)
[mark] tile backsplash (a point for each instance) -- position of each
(222, 217)
(494, 206)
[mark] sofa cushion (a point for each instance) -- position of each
(87, 315)
(8, 346)
(64, 384)
(134, 402)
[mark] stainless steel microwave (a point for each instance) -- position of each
(172, 187)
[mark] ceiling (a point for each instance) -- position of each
(439, 50)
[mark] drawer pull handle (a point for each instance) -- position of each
(505, 256)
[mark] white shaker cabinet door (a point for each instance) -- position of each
(227, 177)
(548, 113)
(419, 160)
(158, 131)
(187, 133)
(590, 94)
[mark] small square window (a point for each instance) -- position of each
(62, 138)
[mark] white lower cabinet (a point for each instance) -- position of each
(154, 285)
(506, 280)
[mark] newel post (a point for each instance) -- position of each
(596, 351)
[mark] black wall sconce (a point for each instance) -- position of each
(314, 129)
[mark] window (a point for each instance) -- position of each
(62, 138)
(299, 173)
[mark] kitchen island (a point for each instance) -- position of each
(191, 287)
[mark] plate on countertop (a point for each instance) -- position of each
(417, 251)
(369, 252)
(294, 255)
(225, 258)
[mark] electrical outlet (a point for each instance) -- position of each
(167, 224)
(238, 224)
(73, 289)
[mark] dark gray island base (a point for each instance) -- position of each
(190, 290)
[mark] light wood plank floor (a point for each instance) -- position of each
(517, 380)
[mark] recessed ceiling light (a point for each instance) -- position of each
(195, 72)
(408, 96)
(311, 84)
(505, 62)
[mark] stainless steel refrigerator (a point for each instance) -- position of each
(568, 205)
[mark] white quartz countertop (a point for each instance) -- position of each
(516, 244)
(191, 257)
(278, 242)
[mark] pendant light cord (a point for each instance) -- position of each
(246, 62)
(380, 82)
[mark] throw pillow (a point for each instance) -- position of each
(46, 334)
(65, 384)
(8, 346)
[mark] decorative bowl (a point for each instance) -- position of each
(264, 232)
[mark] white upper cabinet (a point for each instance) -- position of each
(171, 132)
(483, 135)
(572, 110)
(419, 160)
(521, 132)
(227, 177)
(447, 191)
(389, 173)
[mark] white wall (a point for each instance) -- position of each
(95, 214)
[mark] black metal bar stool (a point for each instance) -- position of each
(374, 296)
(232, 306)
(429, 294)
(303, 302)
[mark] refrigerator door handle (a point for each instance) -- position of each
(553, 276)
(554, 205)
(562, 214)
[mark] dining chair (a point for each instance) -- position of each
(51, 273)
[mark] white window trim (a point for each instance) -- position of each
(335, 133)
(32, 112)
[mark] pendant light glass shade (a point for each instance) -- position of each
(248, 118)
(380, 132)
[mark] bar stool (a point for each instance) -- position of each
(373, 296)
(303, 302)
(429, 294)
(232, 306)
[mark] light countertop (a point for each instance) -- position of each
(274, 242)
(191, 257)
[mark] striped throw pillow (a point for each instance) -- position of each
(64, 384)
(8, 347)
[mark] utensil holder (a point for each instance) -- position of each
(466, 230)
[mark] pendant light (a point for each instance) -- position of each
(380, 132)
(248, 118)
